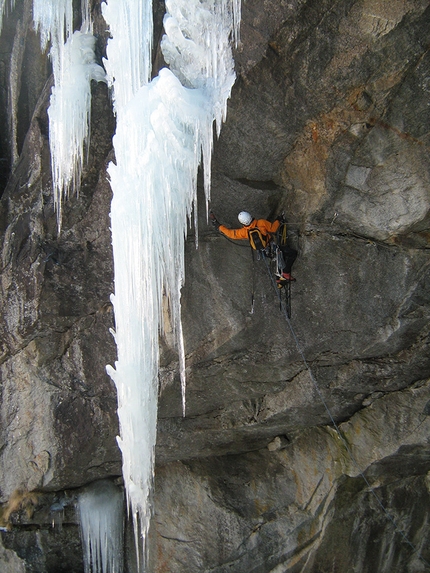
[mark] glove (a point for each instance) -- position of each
(214, 220)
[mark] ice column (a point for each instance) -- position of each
(74, 67)
(101, 511)
(164, 128)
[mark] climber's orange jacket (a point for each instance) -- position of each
(264, 226)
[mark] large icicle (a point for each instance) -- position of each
(74, 66)
(101, 511)
(128, 67)
(163, 129)
(149, 213)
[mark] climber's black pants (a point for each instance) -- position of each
(289, 255)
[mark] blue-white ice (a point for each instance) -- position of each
(128, 63)
(101, 510)
(53, 19)
(164, 129)
(74, 66)
(69, 115)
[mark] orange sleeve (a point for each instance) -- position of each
(234, 233)
(267, 226)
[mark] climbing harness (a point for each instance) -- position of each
(253, 283)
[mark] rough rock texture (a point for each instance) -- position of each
(283, 508)
(306, 445)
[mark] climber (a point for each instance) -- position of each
(260, 233)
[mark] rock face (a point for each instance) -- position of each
(305, 444)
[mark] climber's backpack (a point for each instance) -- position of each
(257, 240)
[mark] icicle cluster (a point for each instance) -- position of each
(163, 129)
(53, 19)
(69, 114)
(197, 48)
(74, 66)
(101, 511)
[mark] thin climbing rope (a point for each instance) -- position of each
(312, 377)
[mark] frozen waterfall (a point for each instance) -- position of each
(164, 129)
(101, 511)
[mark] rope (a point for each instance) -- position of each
(253, 282)
(299, 349)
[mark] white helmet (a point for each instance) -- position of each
(245, 218)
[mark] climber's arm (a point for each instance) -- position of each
(234, 233)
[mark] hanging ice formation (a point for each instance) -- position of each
(164, 127)
(101, 512)
(74, 67)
